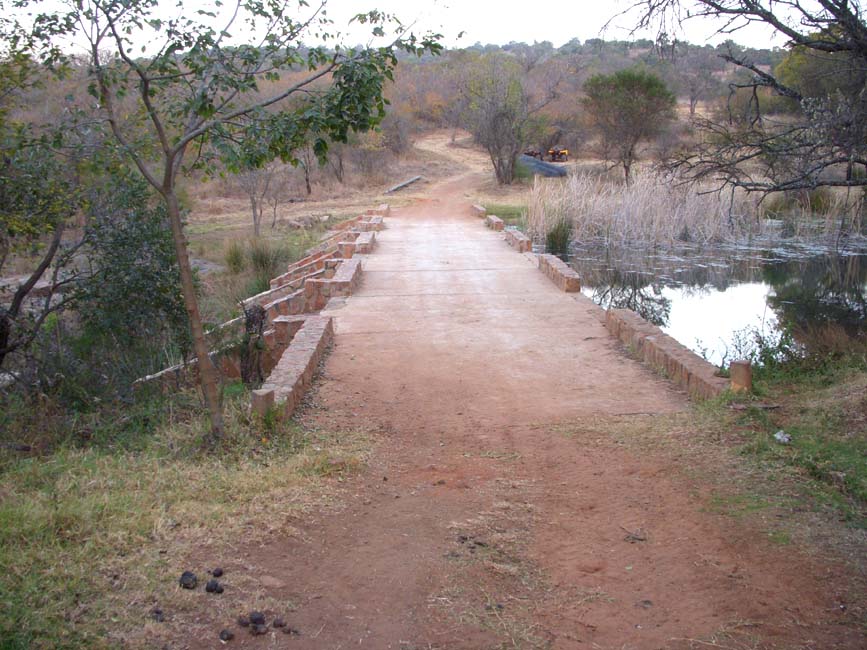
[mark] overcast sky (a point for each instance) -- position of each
(502, 21)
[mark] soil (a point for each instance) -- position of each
(495, 510)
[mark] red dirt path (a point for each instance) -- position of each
(478, 523)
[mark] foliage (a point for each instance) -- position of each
(234, 256)
(131, 294)
(199, 89)
(625, 109)
(38, 196)
(823, 74)
(558, 237)
(500, 112)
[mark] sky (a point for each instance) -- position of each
(558, 21)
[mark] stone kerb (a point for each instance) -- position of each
(653, 346)
(494, 223)
(346, 277)
(478, 211)
(372, 224)
(560, 273)
(365, 243)
(519, 241)
(383, 210)
(294, 372)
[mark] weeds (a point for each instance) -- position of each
(557, 239)
(91, 537)
(234, 256)
(820, 384)
(512, 215)
(652, 209)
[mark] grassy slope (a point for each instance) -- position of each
(91, 538)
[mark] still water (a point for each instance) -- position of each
(708, 298)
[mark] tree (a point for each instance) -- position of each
(828, 139)
(501, 114)
(38, 198)
(625, 109)
(197, 91)
(697, 68)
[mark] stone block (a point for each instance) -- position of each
(478, 211)
(494, 222)
(262, 400)
(741, 376)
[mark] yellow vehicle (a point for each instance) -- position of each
(558, 154)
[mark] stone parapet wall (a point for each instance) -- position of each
(365, 243)
(560, 273)
(345, 280)
(382, 210)
(494, 223)
(651, 345)
(519, 241)
(305, 287)
(294, 372)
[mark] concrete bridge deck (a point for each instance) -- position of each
(449, 315)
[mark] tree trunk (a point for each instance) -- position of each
(257, 215)
(208, 376)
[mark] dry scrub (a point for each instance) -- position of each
(653, 208)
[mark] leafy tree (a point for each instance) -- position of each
(38, 197)
(130, 252)
(186, 90)
(823, 75)
(625, 109)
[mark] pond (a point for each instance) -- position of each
(708, 299)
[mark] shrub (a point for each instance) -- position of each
(234, 256)
(557, 239)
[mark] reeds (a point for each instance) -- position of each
(653, 209)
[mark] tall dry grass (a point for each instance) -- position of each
(653, 209)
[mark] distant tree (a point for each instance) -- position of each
(697, 69)
(625, 109)
(823, 74)
(198, 92)
(501, 114)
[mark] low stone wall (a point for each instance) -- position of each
(560, 273)
(383, 210)
(374, 224)
(305, 287)
(653, 346)
(294, 373)
(227, 358)
(519, 241)
(346, 278)
(302, 267)
(478, 211)
(494, 222)
(365, 243)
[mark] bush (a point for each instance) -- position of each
(234, 256)
(558, 237)
(267, 260)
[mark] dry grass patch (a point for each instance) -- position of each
(653, 208)
(92, 539)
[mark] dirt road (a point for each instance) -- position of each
(496, 510)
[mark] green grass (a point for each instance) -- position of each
(824, 411)
(512, 215)
(92, 536)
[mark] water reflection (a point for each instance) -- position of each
(701, 296)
